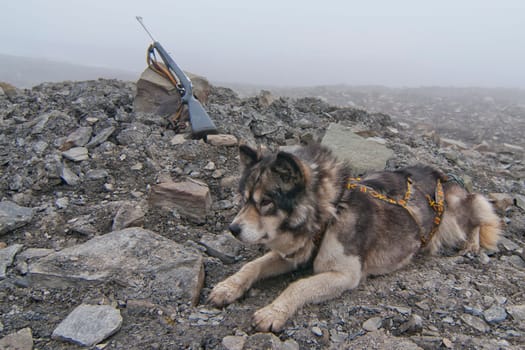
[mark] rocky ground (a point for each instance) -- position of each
(85, 243)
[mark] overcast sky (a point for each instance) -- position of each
(279, 42)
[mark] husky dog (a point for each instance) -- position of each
(304, 206)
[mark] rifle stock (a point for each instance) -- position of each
(201, 123)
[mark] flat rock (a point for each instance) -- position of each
(222, 140)
(76, 154)
(414, 324)
(519, 201)
(21, 340)
(147, 264)
(190, 198)
(508, 244)
(88, 325)
(224, 247)
(445, 142)
(79, 138)
(68, 175)
(13, 216)
(378, 340)
(495, 314)
(517, 311)
(362, 154)
(372, 324)
(233, 342)
(7, 255)
(475, 322)
(129, 214)
(101, 137)
(269, 341)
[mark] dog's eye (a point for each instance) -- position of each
(266, 202)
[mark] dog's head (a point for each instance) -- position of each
(272, 188)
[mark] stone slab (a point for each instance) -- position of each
(145, 263)
(88, 325)
(363, 155)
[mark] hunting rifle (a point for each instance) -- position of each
(201, 124)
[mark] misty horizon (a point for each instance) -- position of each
(294, 43)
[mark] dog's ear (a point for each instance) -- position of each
(248, 156)
(290, 170)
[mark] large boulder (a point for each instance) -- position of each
(145, 263)
(156, 94)
(364, 155)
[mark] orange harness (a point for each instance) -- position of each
(437, 203)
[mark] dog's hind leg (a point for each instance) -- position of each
(472, 242)
(315, 289)
(232, 288)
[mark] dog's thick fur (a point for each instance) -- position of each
(298, 205)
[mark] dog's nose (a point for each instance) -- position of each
(235, 229)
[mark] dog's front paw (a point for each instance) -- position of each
(224, 293)
(270, 318)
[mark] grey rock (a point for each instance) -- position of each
(401, 309)
(445, 142)
(129, 214)
(223, 246)
(34, 253)
(475, 322)
(39, 123)
(68, 175)
(263, 128)
(16, 182)
(495, 314)
(76, 154)
(7, 256)
(101, 137)
(514, 260)
(21, 340)
(372, 324)
(13, 216)
(517, 311)
(508, 244)
(233, 342)
(88, 325)
(414, 324)
(79, 137)
(83, 226)
(270, 342)
(62, 203)
(317, 331)
(97, 174)
(40, 146)
(363, 155)
(136, 134)
(519, 201)
(377, 340)
(146, 263)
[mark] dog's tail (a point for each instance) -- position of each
(482, 229)
(490, 224)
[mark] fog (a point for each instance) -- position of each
(284, 43)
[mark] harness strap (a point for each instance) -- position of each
(436, 204)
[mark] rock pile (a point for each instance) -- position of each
(106, 211)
